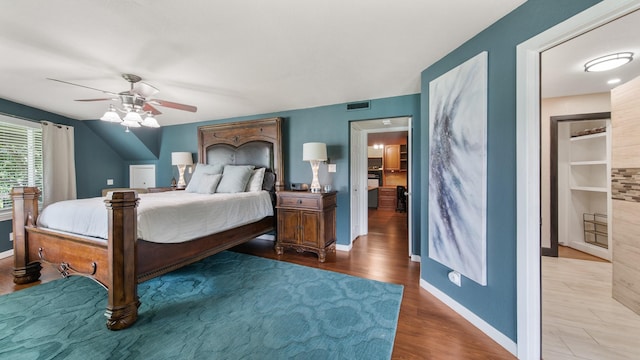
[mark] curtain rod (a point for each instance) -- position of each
(59, 126)
(43, 122)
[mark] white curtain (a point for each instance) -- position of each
(59, 163)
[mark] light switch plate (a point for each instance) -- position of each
(331, 168)
(109, 181)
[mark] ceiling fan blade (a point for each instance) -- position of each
(87, 87)
(148, 107)
(143, 89)
(101, 99)
(174, 105)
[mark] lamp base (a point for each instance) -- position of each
(315, 184)
(181, 183)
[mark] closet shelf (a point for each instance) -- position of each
(590, 162)
(590, 188)
(588, 137)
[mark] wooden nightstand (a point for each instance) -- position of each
(306, 222)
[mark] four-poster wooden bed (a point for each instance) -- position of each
(122, 261)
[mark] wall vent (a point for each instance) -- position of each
(363, 105)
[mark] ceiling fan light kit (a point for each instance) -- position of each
(135, 102)
(111, 115)
(608, 62)
(150, 121)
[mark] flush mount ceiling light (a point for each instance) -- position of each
(608, 62)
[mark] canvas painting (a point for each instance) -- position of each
(457, 168)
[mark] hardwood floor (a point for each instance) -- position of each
(427, 329)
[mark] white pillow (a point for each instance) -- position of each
(235, 178)
(201, 169)
(255, 181)
(208, 183)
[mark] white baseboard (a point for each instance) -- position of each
(6, 254)
(476, 321)
(415, 258)
(340, 247)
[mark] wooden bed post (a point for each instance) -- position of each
(25, 213)
(122, 307)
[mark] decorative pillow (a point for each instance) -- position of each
(269, 181)
(201, 169)
(255, 181)
(235, 178)
(208, 183)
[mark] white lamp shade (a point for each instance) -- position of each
(130, 123)
(111, 116)
(181, 158)
(151, 122)
(133, 116)
(314, 151)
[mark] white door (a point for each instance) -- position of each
(142, 176)
(356, 176)
(409, 189)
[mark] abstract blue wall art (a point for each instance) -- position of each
(458, 170)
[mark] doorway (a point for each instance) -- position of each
(374, 188)
(528, 162)
(580, 198)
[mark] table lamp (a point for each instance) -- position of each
(314, 153)
(181, 160)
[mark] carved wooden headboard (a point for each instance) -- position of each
(256, 142)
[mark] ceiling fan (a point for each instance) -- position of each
(134, 102)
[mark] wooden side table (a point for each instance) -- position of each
(306, 222)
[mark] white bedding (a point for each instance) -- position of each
(167, 217)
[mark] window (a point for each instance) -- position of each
(20, 158)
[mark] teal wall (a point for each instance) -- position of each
(96, 161)
(328, 124)
(496, 302)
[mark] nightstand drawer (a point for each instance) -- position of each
(300, 202)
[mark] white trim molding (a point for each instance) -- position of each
(528, 162)
(341, 247)
(6, 215)
(6, 254)
(474, 319)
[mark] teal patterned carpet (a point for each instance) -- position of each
(229, 306)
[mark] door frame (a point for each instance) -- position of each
(358, 180)
(553, 174)
(528, 162)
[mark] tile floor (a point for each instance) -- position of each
(580, 319)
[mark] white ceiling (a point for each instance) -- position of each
(229, 58)
(563, 66)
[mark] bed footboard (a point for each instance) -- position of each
(114, 265)
(123, 303)
(25, 211)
